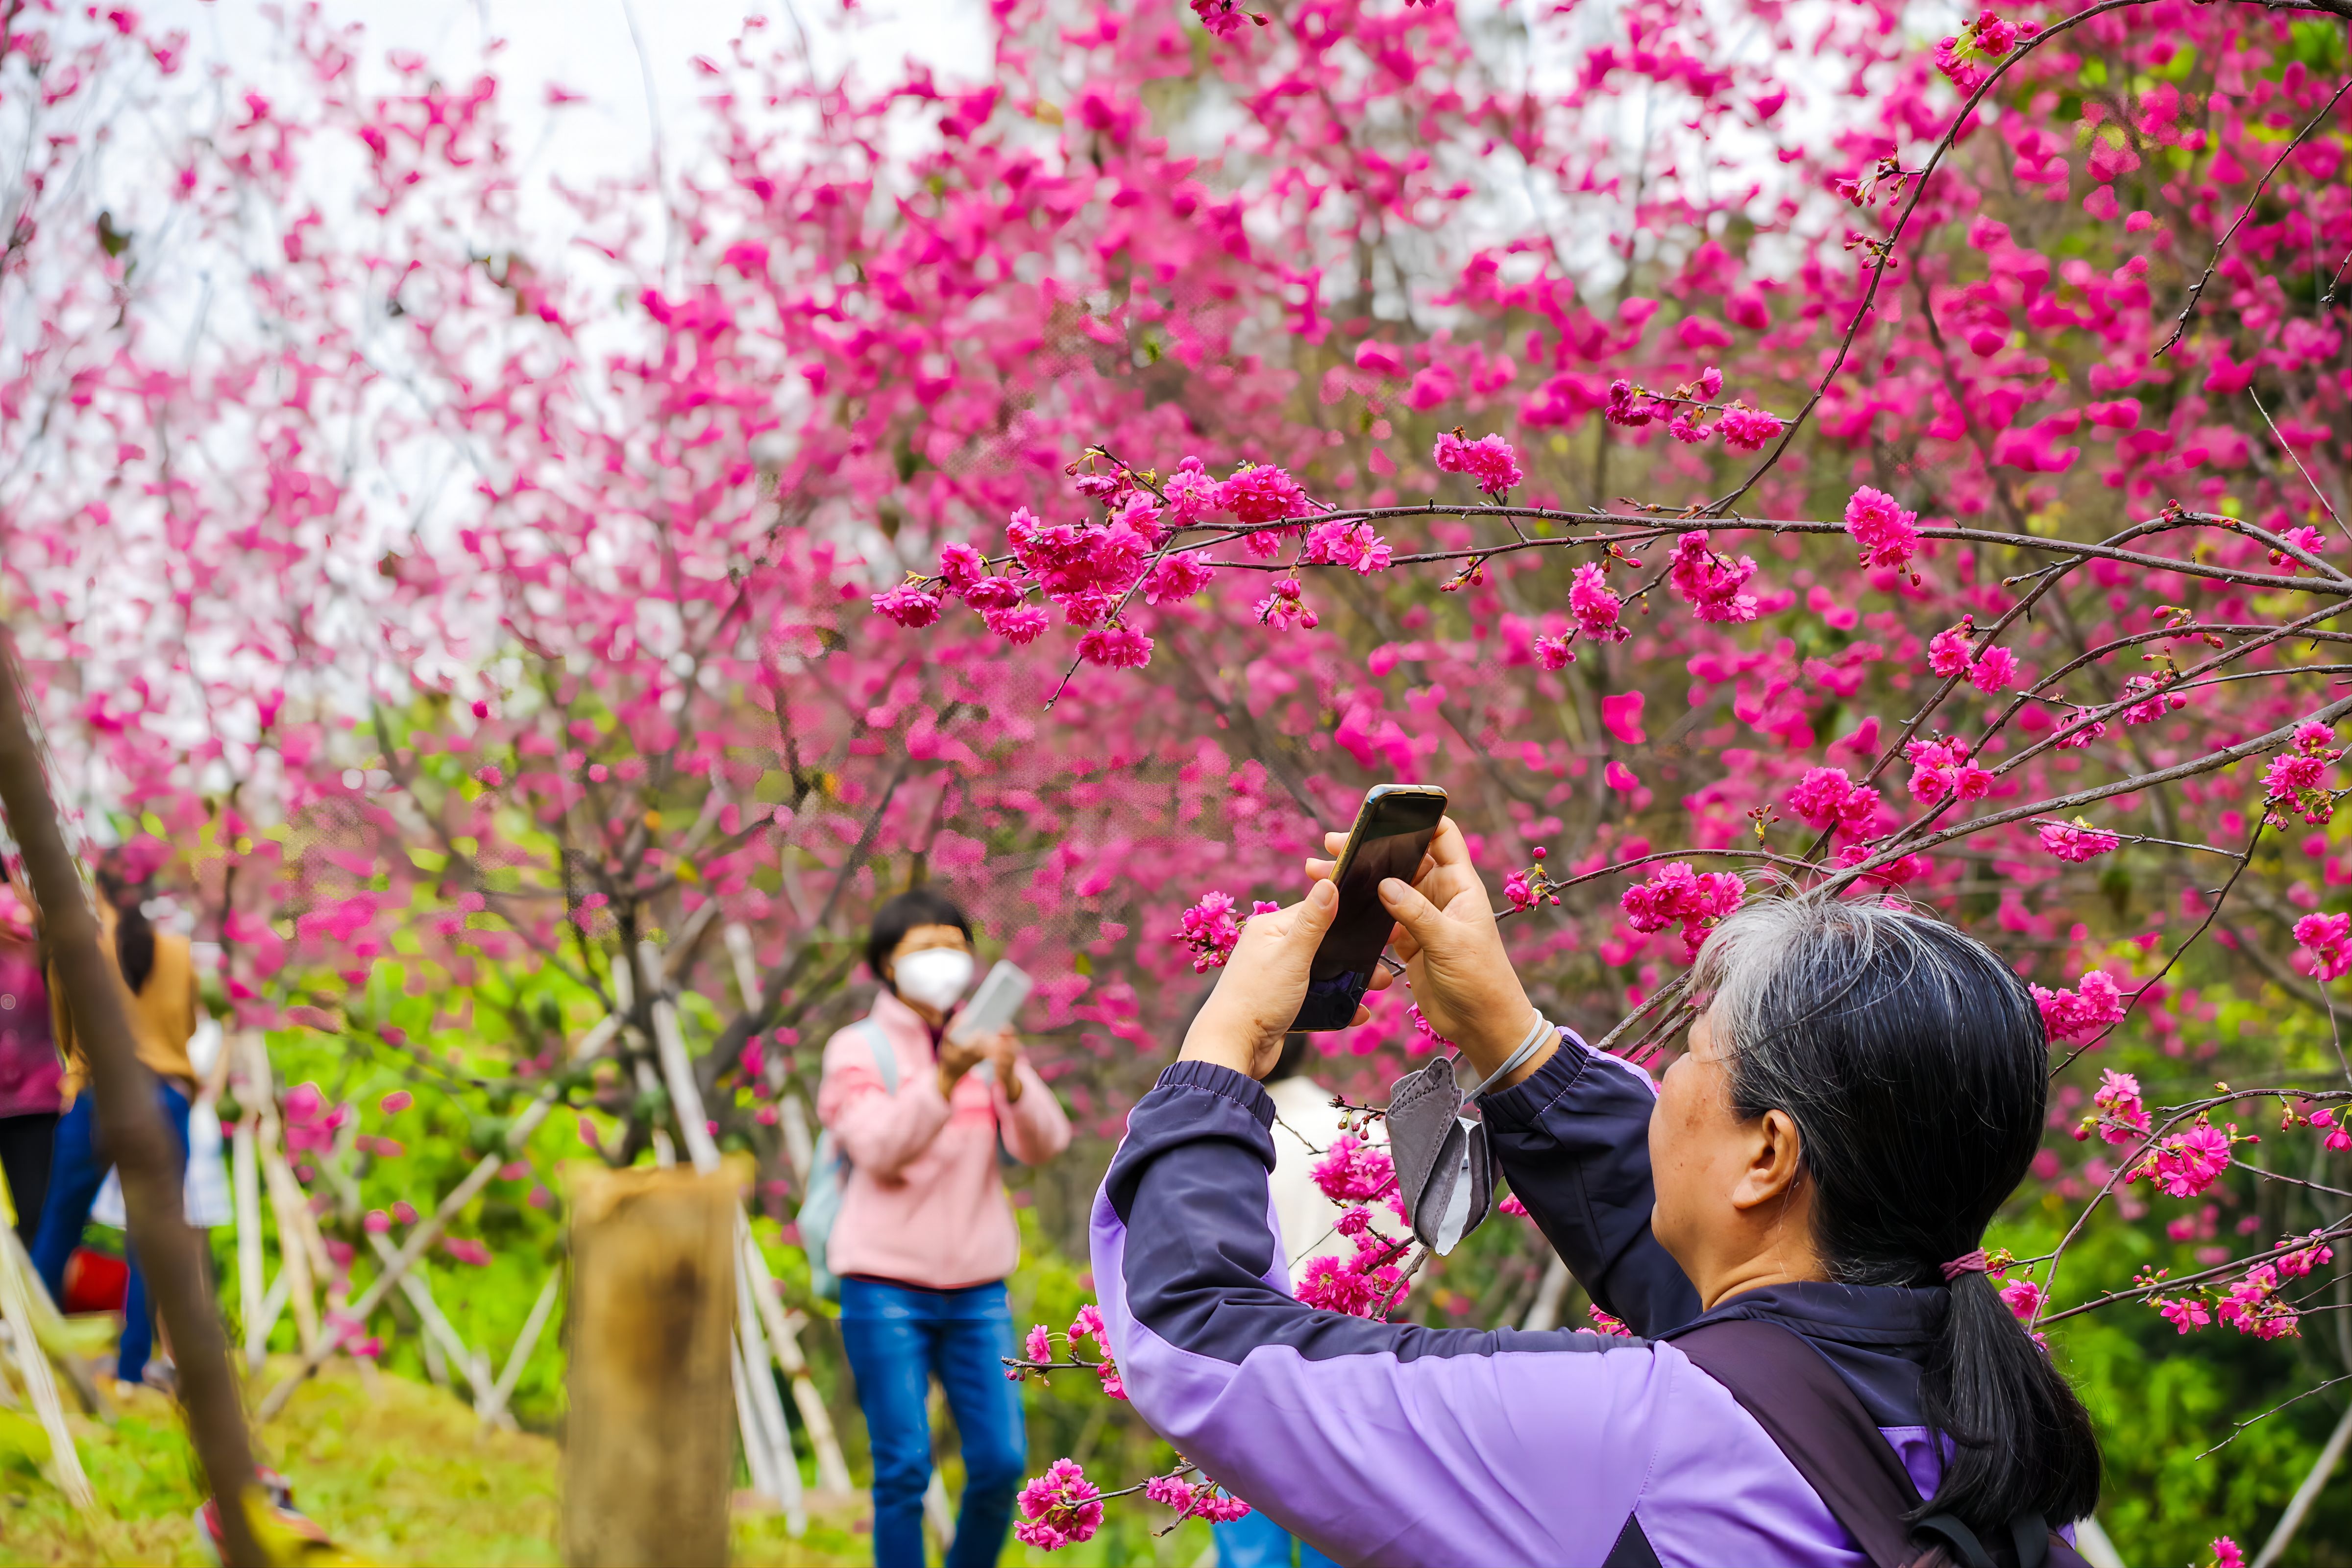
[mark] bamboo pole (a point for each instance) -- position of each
(686, 1098)
(33, 1366)
(520, 1357)
(129, 1121)
(244, 1189)
(287, 1203)
(759, 1457)
(474, 1367)
(766, 1421)
(421, 1236)
(783, 1463)
(832, 1468)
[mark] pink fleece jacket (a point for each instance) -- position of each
(924, 1205)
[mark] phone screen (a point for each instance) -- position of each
(1390, 836)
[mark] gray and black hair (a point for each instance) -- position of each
(1915, 1065)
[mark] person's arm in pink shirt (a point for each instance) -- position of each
(1036, 1129)
(880, 1132)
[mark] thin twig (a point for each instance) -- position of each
(2189, 306)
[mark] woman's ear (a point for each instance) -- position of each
(1775, 1161)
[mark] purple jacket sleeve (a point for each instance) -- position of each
(1574, 1139)
(1379, 1443)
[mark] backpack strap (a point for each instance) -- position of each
(1816, 1421)
(886, 1059)
(1819, 1426)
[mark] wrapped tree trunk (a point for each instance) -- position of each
(649, 1450)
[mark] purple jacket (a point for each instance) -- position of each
(1397, 1444)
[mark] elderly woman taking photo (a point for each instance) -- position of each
(1808, 1189)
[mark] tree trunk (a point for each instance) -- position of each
(649, 1460)
(129, 1119)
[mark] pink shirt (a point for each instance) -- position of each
(924, 1204)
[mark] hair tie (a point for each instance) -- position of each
(1966, 1263)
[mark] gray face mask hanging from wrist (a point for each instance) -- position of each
(1444, 1166)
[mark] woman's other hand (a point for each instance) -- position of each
(1004, 1049)
(1259, 992)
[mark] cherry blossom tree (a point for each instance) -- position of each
(1716, 444)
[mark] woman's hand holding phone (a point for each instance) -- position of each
(1258, 992)
(1454, 955)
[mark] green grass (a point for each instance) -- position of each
(401, 1472)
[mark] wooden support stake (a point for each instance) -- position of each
(474, 1368)
(245, 1187)
(130, 1120)
(648, 1459)
(525, 1342)
(782, 1463)
(832, 1468)
(424, 1235)
(287, 1203)
(33, 1366)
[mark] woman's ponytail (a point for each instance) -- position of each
(2021, 1442)
(1914, 1063)
(135, 934)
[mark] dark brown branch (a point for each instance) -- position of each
(129, 1118)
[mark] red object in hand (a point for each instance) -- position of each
(95, 1282)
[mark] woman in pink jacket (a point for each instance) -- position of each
(925, 1237)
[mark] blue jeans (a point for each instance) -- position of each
(77, 1170)
(1254, 1540)
(897, 1336)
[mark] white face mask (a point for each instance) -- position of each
(934, 977)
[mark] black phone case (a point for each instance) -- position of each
(1331, 1002)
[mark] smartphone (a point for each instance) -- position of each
(992, 1007)
(1392, 833)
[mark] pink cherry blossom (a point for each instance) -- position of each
(1595, 606)
(1058, 1509)
(1712, 583)
(2326, 944)
(2076, 842)
(2096, 1002)
(1888, 533)
(1489, 460)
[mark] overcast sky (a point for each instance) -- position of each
(586, 47)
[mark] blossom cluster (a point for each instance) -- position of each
(1364, 1284)
(2076, 841)
(1211, 928)
(1827, 798)
(1058, 1509)
(1888, 533)
(1490, 460)
(1676, 892)
(1529, 885)
(1596, 608)
(1941, 771)
(2325, 944)
(1953, 651)
(2095, 1003)
(2183, 1165)
(1987, 38)
(2116, 1115)
(1713, 585)
(1037, 1352)
(1683, 412)
(2297, 780)
(1200, 1499)
(2253, 1304)
(1353, 1171)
